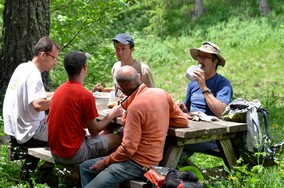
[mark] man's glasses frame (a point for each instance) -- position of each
(203, 57)
(54, 58)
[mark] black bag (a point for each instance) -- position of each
(165, 177)
(185, 179)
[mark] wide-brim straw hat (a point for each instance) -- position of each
(208, 47)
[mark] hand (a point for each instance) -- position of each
(98, 87)
(98, 166)
(200, 78)
(182, 106)
(116, 111)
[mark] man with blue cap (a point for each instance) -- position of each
(124, 47)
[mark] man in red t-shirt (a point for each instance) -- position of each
(72, 110)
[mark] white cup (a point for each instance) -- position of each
(190, 72)
(112, 96)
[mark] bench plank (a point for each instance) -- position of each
(134, 184)
(41, 153)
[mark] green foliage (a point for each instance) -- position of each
(163, 32)
(85, 26)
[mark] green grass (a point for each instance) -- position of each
(251, 44)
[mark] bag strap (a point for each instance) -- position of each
(265, 117)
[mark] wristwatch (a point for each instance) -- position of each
(207, 90)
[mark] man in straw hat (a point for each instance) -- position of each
(210, 93)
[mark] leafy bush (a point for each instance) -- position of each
(163, 32)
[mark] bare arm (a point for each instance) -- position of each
(100, 88)
(216, 106)
(43, 104)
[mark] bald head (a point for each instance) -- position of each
(127, 79)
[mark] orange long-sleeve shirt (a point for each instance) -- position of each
(149, 112)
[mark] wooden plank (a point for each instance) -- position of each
(201, 128)
(229, 153)
(4, 139)
(205, 138)
(134, 184)
(172, 155)
(41, 153)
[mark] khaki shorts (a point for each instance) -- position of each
(41, 132)
(92, 147)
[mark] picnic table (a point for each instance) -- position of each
(197, 131)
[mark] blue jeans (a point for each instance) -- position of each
(110, 177)
(189, 149)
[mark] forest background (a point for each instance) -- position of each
(251, 42)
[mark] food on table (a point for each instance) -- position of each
(113, 103)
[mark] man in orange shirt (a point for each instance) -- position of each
(149, 112)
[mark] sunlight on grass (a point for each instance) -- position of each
(251, 44)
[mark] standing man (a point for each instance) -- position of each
(124, 47)
(149, 112)
(73, 109)
(26, 100)
(210, 93)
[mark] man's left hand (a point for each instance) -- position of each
(99, 166)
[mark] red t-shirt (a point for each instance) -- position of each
(71, 107)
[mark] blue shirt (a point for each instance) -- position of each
(220, 87)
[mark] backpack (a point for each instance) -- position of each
(165, 177)
(256, 139)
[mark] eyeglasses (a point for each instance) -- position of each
(203, 57)
(54, 58)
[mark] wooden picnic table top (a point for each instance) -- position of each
(197, 131)
(201, 128)
(195, 128)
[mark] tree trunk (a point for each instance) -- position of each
(198, 9)
(24, 23)
(263, 6)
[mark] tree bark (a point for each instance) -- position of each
(24, 23)
(263, 6)
(198, 9)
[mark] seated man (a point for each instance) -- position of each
(149, 112)
(26, 100)
(209, 93)
(72, 110)
(124, 47)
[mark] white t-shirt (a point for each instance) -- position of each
(141, 68)
(21, 120)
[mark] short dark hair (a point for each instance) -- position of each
(44, 44)
(215, 57)
(74, 62)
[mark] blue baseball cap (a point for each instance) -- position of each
(124, 39)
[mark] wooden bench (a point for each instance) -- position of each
(44, 153)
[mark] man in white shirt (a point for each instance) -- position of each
(26, 100)
(124, 47)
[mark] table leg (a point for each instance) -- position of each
(172, 155)
(229, 154)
